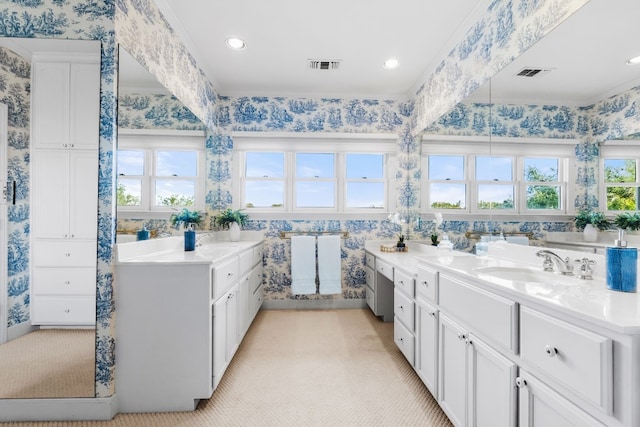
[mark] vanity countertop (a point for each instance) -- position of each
(170, 251)
(589, 300)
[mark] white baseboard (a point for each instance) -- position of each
(19, 330)
(324, 304)
(57, 409)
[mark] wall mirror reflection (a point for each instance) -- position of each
(160, 156)
(52, 90)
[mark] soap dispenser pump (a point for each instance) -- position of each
(622, 266)
(143, 234)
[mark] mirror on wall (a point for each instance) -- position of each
(38, 361)
(155, 131)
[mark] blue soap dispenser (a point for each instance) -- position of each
(622, 266)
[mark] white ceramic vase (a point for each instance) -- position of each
(234, 232)
(590, 233)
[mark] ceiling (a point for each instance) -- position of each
(586, 54)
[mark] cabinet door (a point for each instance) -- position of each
(219, 339)
(83, 194)
(232, 324)
(84, 108)
(427, 345)
(50, 104)
(492, 395)
(540, 406)
(50, 194)
(452, 374)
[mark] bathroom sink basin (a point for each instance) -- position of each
(527, 275)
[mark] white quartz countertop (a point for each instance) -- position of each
(170, 251)
(588, 300)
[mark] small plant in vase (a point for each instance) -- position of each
(434, 239)
(401, 245)
(232, 220)
(185, 218)
(591, 222)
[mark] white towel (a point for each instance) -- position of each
(303, 265)
(518, 240)
(329, 270)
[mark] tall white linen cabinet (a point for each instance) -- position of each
(65, 111)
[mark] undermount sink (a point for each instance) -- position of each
(527, 275)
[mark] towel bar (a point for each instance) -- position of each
(288, 234)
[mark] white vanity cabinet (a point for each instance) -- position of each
(404, 313)
(64, 188)
(181, 317)
(379, 291)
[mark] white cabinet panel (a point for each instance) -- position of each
(452, 377)
(84, 103)
(404, 281)
(540, 406)
(50, 110)
(404, 309)
(64, 281)
(50, 194)
(83, 194)
(427, 284)
(64, 253)
(427, 345)
(63, 310)
(405, 341)
(224, 275)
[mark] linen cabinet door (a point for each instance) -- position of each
(83, 194)
(452, 370)
(492, 395)
(50, 194)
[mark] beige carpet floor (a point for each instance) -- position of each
(49, 363)
(308, 368)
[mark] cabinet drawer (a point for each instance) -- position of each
(258, 254)
(224, 275)
(385, 269)
(403, 309)
(370, 275)
(370, 260)
(64, 281)
(64, 253)
(487, 315)
(405, 341)
(256, 278)
(427, 284)
(404, 282)
(245, 261)
(371, 299)
(579, 359)
(63, 310)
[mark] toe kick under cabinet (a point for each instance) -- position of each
(180, 324)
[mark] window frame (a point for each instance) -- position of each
(150, 141)
(338, 144)
(612, 149)
(516, 148)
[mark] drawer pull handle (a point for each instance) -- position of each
(521, 382)
(551, 351)
(401, 308)
(432, 313)
(229, 274)
(67, 283)
(424, 282)
(402, 282)
(67, 254)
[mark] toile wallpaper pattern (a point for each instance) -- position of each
(507, 28)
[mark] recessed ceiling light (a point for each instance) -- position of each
(634, 61)
(235, 43)
(391, 63)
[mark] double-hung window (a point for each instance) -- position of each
(159, 171)
(308, 175)
(619, 166)
(464, 175)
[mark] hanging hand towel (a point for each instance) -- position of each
(329, 269)
(303, 265)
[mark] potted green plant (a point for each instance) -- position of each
(401, 245)
(628, 221)
(185, 217)
(232, 220)
(590, 222)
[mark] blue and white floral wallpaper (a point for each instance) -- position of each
(507, 28)
(15, 89)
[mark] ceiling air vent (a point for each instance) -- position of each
(318, 64)
(533, 72)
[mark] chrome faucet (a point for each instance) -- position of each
(200, 238)
(551, 259)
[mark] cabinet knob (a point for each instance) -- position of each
(68, 254)
(402, 282)
(67, 311)
(229, 274)
(521, 382)
(551, 351)
(67, 283)
(461, 336)
(401, 307)
(432, 313)
(424, 282)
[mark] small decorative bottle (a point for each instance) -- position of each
(622, 266)
(445, 249)
(189, 238)
(482, 247)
